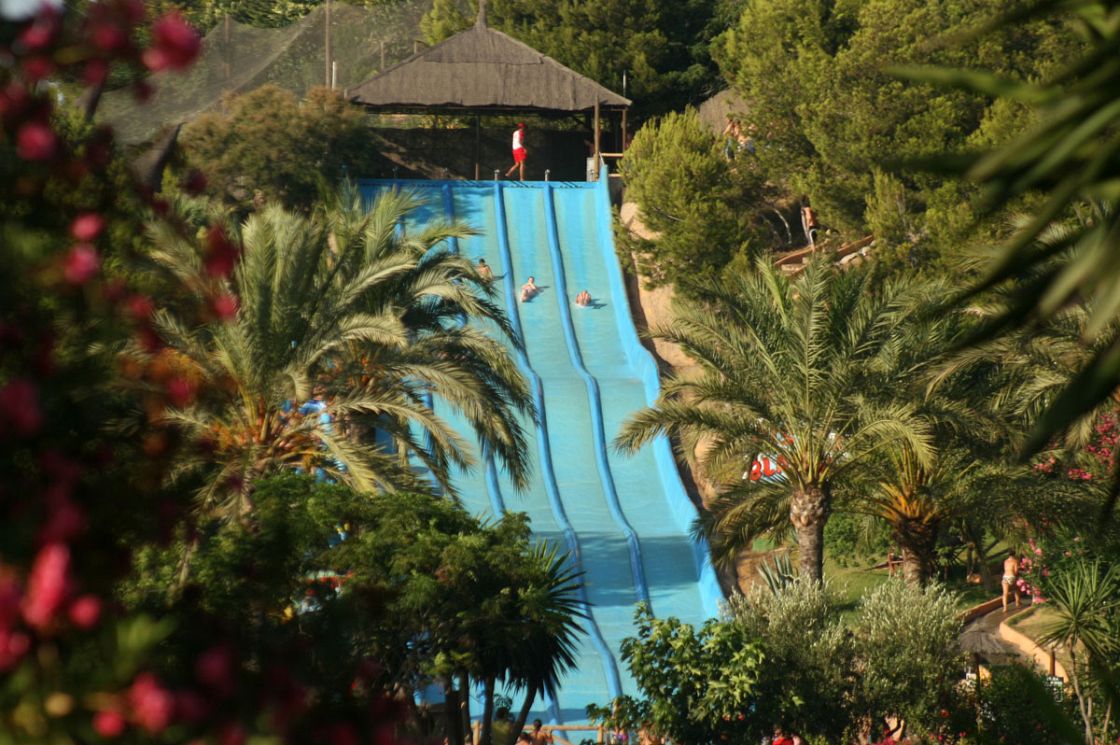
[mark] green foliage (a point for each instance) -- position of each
(827, 111)
(660, 45)
(337, 306)
(445, 19)
(906, 640)
(698, 683)
(850, 538)
(804, 669)
(703, 208)
(1068, 159)
(804, 371)
(409, 579)
(1010, 711)
(1085, 596)
(267, 141)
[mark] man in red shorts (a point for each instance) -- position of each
(519, 152)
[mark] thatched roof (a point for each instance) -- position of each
(718, 110)
(483, 69)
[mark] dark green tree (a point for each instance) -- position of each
(267, 144)
(704, 208)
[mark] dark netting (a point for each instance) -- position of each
(237, 58)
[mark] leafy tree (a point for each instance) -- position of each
(699, 685)
(802, 666)
(1086, 600)
(660, 46)
(412, 579)
(704, 209)
(829, 114)
(288, 150)
(909, 663)
(347, 313)
(793, 369)
(444, 20)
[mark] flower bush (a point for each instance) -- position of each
(78, 492)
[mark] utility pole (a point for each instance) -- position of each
(327, 26)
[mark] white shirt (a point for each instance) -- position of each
(517, 135)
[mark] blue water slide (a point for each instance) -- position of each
(624, 520)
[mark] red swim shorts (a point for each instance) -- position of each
(519, 155)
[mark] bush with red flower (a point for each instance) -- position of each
(78, 491)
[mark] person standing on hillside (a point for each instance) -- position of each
(519, 152)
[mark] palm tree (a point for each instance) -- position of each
(357, 317)
(919, 500)
(798, 370)
(533, 642)
(1086, 601)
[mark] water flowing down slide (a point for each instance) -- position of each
(625, 520)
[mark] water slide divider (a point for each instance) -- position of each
(642, 361)
(598, 430)
(547, 472)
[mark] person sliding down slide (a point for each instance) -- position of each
(529, 290)
(583, 299)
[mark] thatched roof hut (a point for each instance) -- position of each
(482, 70)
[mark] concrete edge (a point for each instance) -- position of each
(1027, 646)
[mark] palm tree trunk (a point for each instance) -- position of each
(522, 716)
(808, 511)
(465, 704)
(918, 540)
(452, 721)
(487, 711)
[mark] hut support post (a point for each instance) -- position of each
(625, 133)
(598, 132)
(327, 41)
(477, 147)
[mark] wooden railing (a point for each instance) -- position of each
(552, 729)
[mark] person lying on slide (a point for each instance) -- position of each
(529, 290)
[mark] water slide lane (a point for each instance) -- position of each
(597, 671)
(672, 565)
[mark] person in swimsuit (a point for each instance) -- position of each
(529, 290)
(1010, 580)
(519, 152)
(539, 735)
(484, 270)
(583, 299)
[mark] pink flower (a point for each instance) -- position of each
(174, 44)
(152, 704)
(66, 521)
(48, 585)
(108, 724)
(95, 72)
(1038, 552)
(19, 408)
(221, 253)
(41, 33)
(141, 307)
(180, 392)
(37, 68)
(13, 646)
(215, 668)
(85, 612)
(36, 141)
(225, 306)
(87, 226)
(10, 595)
(81, 264)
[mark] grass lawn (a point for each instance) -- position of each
(851, 582)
